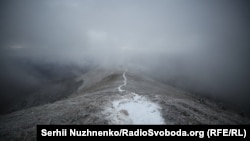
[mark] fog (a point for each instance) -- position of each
(201, 46)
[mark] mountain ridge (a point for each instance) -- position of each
(100, 93)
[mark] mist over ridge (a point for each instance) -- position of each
(199, 46)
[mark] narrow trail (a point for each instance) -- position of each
(124, 82)
(132, 108)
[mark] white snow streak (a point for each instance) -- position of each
(124, 82)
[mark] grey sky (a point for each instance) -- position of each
(123, 26)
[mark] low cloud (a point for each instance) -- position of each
(201, 46)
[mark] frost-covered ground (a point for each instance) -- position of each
(133, 109)
(116, 97)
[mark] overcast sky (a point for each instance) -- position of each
(106, 28)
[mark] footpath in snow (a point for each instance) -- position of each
(132, 108)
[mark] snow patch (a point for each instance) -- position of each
(134, 109)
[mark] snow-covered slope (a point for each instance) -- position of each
(118, 97)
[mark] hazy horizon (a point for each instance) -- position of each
(199, 45)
